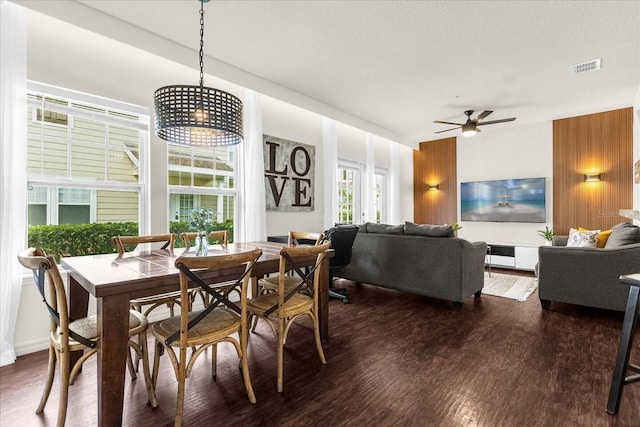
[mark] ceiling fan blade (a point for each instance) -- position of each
(447, 123)
(447, 130)
(497, 121)
(483, 115)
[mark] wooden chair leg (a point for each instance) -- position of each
(51, 370)
(316, 333)
(244, 344)
(64, 387)
(280, 352)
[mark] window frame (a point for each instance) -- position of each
(118, 110)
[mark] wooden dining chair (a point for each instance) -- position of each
(217, 323)
(296, 238)
(218, 236)
(68, 336)
(281, 308)
(150, 303)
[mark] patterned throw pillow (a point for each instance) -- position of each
(603, 236)
(582, 239)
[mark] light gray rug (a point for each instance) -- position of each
(507, 286)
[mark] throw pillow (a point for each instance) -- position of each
(622, 234)
(582, 239)
(384, 228)
(428, 230)
(603, 236)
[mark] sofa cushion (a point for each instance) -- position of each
(623, 234)
(603, 236)
(384, 228)
(428, 230)
(582, 239)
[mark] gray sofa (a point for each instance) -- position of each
(588, 276)
(415, 261)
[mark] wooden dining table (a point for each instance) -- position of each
(116, 279)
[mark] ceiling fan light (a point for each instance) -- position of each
(468, 129)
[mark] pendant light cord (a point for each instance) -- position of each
(201, 42)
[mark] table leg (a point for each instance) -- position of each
(624, 350)
(323, 291)
(113, 324)
(78, 307)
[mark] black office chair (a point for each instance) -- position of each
(341, 238)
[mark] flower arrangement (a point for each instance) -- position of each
(201, 219)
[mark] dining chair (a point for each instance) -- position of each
(281, 308)
(296, 238)
(203, 329)
(219, 236)
(67, 336)
(146, 305)
(150, 303)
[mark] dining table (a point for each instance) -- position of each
(115, 279)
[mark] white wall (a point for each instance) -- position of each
(517, 152)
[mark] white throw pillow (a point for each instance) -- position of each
(582, 239)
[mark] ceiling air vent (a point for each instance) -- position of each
(592, 65)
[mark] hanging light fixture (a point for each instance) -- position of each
(198, 115)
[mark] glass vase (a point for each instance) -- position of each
(202, 245)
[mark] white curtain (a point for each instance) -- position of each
(329, 171)
(252, 211)
(395, 207)
(369, 196)
(13, 170)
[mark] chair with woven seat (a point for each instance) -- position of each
(281, 308)
(296, 238)
(170, 299)
(220, 237)
(68, 336)
(341, 238)
(204, 329)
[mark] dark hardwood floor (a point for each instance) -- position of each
(394, 359)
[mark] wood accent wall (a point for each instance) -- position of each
(595, 143)
(435, 163)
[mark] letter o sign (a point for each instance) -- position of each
(306, 161)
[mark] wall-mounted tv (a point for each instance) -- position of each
(505, 200)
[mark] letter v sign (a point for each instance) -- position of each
(277, 194)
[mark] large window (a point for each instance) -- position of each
(86, 159)
(201, 177)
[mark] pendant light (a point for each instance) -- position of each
(198, 115)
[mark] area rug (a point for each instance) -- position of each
(518, 288)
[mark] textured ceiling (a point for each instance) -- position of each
(400, 65)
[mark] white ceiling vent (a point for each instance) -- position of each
(592, 65)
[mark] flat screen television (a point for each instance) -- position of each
(505, 200)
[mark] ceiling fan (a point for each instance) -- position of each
(471, 126)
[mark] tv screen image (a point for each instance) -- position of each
(505, 200)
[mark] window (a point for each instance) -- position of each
(382, 211)
(348, 182)
(86, 158)
(201, 177)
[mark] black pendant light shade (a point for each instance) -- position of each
(198, 115)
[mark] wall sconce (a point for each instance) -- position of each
(433, 187)
(591, 177)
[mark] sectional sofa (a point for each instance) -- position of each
(418, 258)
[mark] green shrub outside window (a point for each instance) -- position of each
(91, 239)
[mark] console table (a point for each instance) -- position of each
(513, 255)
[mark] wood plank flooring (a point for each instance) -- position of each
(394, 359)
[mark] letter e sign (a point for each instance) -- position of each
(289, 174)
